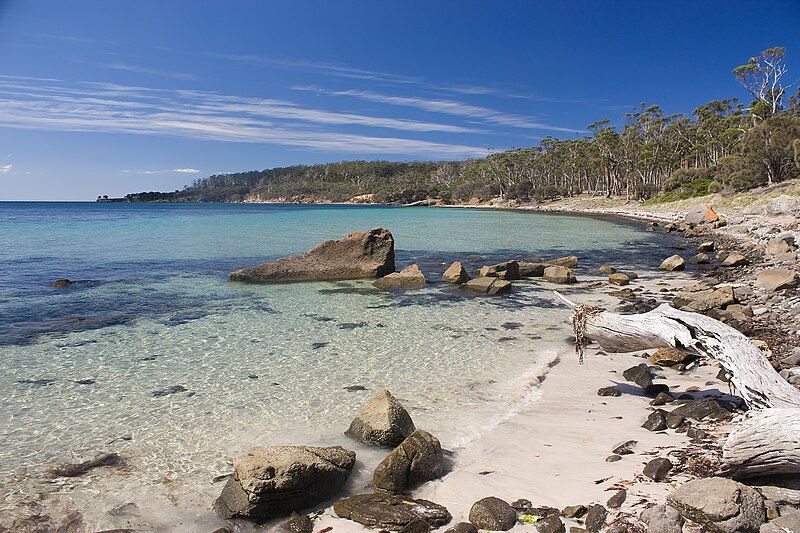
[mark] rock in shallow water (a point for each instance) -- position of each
(418, 459)
(559, 274)
(410, 277)
(382, 422)
(276, 480)
(455, 273)
(673, 262)
(390, 511)
(487, 285)
(358, 255)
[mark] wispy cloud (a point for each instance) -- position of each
(446, 106)
(6, 168)
(151, 72)
(102, 107)
(167, 171)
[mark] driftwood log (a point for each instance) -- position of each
(766, 441)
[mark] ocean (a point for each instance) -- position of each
(153, 354)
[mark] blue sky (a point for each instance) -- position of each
(110, 97)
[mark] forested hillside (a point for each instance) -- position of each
(724, 145)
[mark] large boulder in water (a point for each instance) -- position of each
(358, 255)
(276, 480)
(418, 459)
(382, 422)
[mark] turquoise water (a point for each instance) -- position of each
(153, 354)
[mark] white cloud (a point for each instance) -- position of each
(186, 170)
(152, 72)
(102, 107)
(6, 168)
(449, 107)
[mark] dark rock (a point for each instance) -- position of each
(613, 390)
(624, 448)
(276, 480)
(675, 421)
(487, 285)
(654, 389)
(493, 514)
(550, 524)
(697, 434)
(173, 389)
(639, 374)
(721, 505)
(616, 501)
(416, 526)
(79, 469)
(416, 460)
(595, 518)
(61, 283)
(657, 421)
(299, 524)
(662, 398)
(355, 388)
(383, 422)
(358, 255)
(455, 273)
(522, 505)
(410, 277)
(657, 469)
(390, 511)
(462, 527)
(574, 511)
(702, 409)
(613, 458)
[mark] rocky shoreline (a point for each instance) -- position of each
(638, 454)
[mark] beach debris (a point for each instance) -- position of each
(274, 481)
(456, 274)
(390, 511)
(559, 274)
(80, 469)
(658, 468)
(487, 285)
(358, 255)
(410, 277)
(673, 262)
(416, 460)
(383, 421)
(595, 518)
(720, 504)
(493, 514)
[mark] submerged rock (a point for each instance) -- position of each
(493, 514)
(456, 273)
(61, 283)
(721, 505)
(390, 511)
(383, 422)
(276, 480)
(358, 255)
(487, 285)
(418, 459)
(410, 277)
(80, 469)
(569, 261)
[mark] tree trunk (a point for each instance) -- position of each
(764, 442)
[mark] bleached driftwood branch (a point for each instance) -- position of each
(767, 440)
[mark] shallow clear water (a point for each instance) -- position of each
(152, 309)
